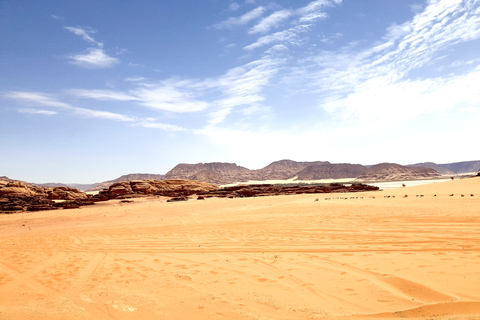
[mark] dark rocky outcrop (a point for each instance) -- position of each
(243, 191)
(393, 171)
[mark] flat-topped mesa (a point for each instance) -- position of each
(167, 188)
(393, 171)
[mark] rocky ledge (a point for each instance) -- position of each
(19, 196)
(243, 191)
(166, 188)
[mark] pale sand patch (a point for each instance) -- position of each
(363, 255)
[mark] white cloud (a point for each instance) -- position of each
(57, 17)
(289, 36)
(106, 95)
(156, 125)
(84, 33)
(41, 99)
(234, 6)
(270, 22)
(135, 79)
(36, 99)
(244, 19)
(374, 85)
(98, 114)
(95, 58)
(167, 97)
(38, 111)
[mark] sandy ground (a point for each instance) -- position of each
(355, 256)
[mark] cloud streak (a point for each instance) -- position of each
(244, 19)
(33, 99)
(270, 22)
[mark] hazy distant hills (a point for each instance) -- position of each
(331, 171)
(393, 171)
(451, 168)
(79, 186)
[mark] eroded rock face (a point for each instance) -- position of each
(19, 196)
(271, 190)
(168, 188)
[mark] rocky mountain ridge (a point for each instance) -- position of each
(451, 168)
(393, 171)
(225, 173)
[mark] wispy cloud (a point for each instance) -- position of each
(292, 35)
(84, 33)
(314, 10)
(244, 19)
(363, 84)
(36, 99)
(234, 6)
(33, 99)
(170, 96)
(37, 111)
(105, 95)
(289, 36)
(157, 125)
(94, 58)
(243, 86)
(270, 22)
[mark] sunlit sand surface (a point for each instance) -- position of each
(356, 256)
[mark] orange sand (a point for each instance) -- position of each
(286, 257)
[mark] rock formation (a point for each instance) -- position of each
(393, 171)
(243, 191)
(167, 188)
(284, 169)
(223, 172)
(127, 177)
(20, 196)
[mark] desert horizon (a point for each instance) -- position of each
(368, 255)
(239, 160)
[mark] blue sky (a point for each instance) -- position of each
(91, 90)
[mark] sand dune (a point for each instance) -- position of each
(356, 256)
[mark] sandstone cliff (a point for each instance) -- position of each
(20, 196)
(167, 188)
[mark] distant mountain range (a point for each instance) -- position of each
(451, 168)
(225, 173)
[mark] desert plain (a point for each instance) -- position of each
(374, 255)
